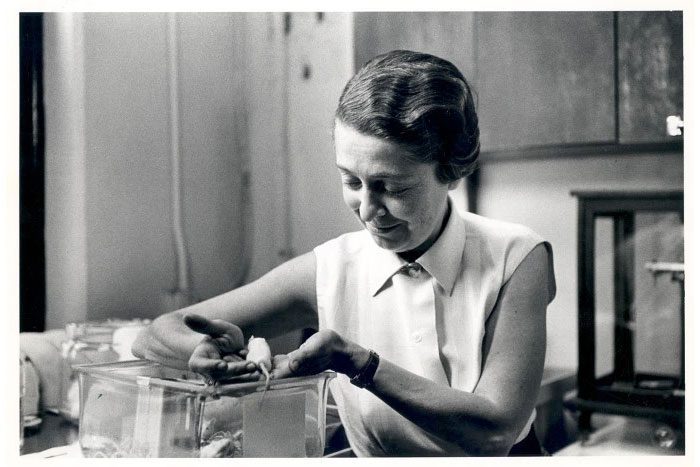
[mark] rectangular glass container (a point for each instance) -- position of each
(143, 409)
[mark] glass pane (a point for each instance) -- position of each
(657, 295)
(604, 297)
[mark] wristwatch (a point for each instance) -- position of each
(365, 377)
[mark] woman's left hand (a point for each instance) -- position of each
(325, 350)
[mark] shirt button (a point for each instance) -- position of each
(417, 338)
(413, 269)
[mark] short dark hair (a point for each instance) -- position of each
(419, 101)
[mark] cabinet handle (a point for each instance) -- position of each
(674, 125)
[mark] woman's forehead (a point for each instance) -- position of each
(364, 154)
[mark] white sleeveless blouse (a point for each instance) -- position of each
(429, 320)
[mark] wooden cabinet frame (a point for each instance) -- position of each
(617, 393)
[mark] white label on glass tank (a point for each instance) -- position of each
(273, 425)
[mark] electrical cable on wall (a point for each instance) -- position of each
(246, 240)
(287, 252)
(181, 292)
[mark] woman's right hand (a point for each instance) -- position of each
(221, 352)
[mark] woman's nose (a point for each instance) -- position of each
(370, 206)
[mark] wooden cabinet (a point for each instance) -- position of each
(545, 78)
(540, 78)
(449, 35)
(550, 82)
(650, 74)
(318, 64)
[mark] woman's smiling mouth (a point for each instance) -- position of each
(380, 230)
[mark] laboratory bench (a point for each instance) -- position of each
(53, 431)
(555, 426)
(619, 435)
(612, 435)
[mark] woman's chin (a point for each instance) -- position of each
(386, 242)
(394, 244)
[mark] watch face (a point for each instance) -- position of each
(366, 375)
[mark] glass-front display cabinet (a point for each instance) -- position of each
(631, 308)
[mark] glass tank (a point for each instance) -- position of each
(143, 409)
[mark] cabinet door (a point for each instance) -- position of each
(214, 148)
(449, 35)
(545, 78)
(650, 74)
(319, 63)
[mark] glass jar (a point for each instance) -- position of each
(92, 342)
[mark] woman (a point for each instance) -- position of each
(433, 318)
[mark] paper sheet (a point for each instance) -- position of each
(273, 425)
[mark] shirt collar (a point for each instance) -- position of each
(442, 260)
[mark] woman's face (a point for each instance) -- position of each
(400, 202)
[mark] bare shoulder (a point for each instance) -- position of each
(522, 301)
(532, 281)
(535, 265)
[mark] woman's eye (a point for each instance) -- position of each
(394, 191)
(352, 183)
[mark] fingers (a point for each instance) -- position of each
(295, 359)
(305, 361)
(237, 357)
(222, 369)
(316, 354)
(207, 360)
(240, 368)
(253, 377)
(208, 367)
(280, 367)
(197, 323)
(138, 347)
(202, 325)
(215, 328)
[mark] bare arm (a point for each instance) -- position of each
(487, 421)
(282, 300)
(490, 418)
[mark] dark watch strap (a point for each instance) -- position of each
(365, 377)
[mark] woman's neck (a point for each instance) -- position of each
(416, 253)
